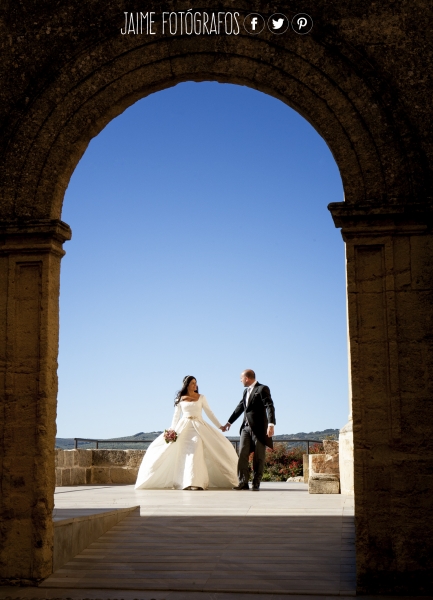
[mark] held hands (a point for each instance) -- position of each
(269, 433)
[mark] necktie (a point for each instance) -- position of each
(247, 398)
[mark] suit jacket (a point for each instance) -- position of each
(259, 412)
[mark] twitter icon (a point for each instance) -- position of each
(278, 23)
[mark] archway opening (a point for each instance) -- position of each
(202, 243)
(213, 251)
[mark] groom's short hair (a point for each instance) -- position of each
(249, 373)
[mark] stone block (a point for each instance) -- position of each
(100, 475)
(58, 458)
(134, 458)
(108, 458)
(78, 476)
(331, 447)
(316, 463)
(66, 476)
(324, 463)
(58, 476)
(68, 458)
(83, 458)
(323, 483)
(123, 475)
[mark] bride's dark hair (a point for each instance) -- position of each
(182, 392)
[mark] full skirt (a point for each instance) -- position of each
(201, 457)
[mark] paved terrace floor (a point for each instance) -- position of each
(208, 545)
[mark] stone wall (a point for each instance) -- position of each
(84, 467)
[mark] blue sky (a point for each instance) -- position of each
(202, 245)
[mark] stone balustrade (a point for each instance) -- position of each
(85, 467)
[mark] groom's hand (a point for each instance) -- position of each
(225, 427)
(270, 431)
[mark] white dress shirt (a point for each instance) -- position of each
(247, 398)
(249, 390)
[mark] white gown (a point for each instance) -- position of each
(201, 456)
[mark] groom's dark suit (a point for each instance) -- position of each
(256, 415)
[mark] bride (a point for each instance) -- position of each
(200, 458)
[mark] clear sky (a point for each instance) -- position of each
(202, 245)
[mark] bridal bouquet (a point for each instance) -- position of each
(170, 435)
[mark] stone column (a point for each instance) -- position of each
(390, 300)
(30, 254)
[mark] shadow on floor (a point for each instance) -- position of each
(218, 554)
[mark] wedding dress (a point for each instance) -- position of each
(200, 457)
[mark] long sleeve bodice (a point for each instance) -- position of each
(210, 415)
(194, 410)
(176, 416)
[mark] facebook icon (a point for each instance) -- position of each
(254, 23)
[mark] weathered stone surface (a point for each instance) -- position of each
(324, 483)
(123, 475)
(324, 463)
(29, 282)
(73, 458)
(325, 469)
(107, 458)
(331, 447)
(134, 458)
(100, 475)
(83, 458)
(362, 79)
(68, 458)
(65, 476)
(78, 476)
(324, 477)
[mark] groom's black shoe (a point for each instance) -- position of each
(256, 486)
(241, 486)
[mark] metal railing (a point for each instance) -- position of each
(98, 441)
(234, 441)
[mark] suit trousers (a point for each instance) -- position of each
(246, 446)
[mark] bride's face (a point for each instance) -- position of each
(192, 386)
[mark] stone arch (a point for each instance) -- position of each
(103, 80)
(64, 88)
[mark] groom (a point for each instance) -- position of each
(256, 430)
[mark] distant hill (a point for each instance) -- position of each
(68, 443)
(313, 435)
